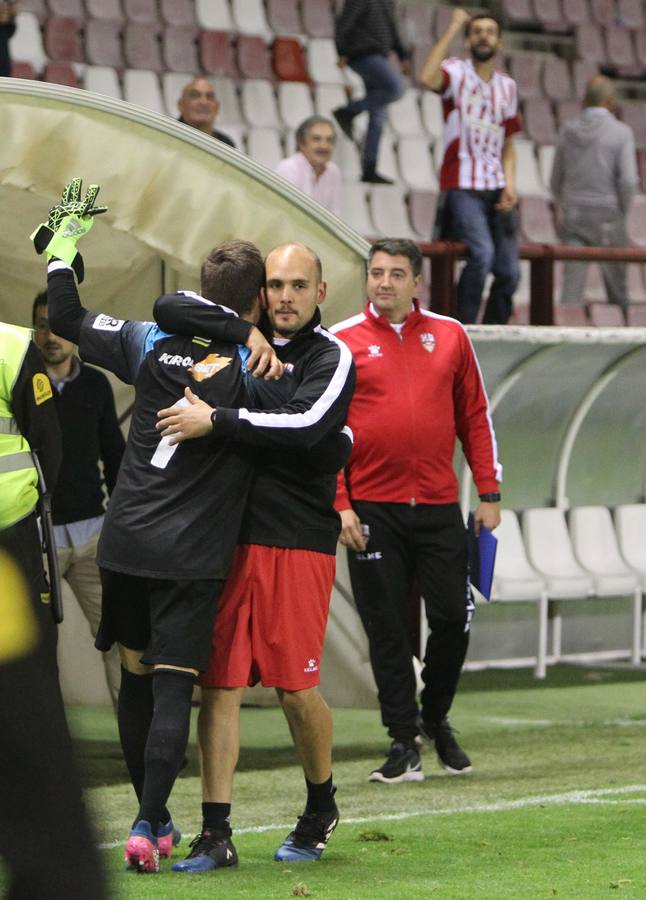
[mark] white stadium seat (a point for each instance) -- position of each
(214, 15)
(404, 115)
(389, 212)
(528, 180)
(141, 86)
(416, 163)
(264, 146)
(321, 62)
(346, 157)
(102, 80)
(328, 97)
(630, 525)
(258, 102)
(173, 84)
(227, 95)
(249, 17)
(354, 209)
(432, 114)
(294, 102)
(27, 42)
(387, 159)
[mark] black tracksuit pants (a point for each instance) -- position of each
(424, 544)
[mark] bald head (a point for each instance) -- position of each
(600, 91)
(293, 288)
(297, 250)
(198, 105)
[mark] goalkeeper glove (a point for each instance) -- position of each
(68, 221)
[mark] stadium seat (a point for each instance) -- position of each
(588, 42)
(538, 121)
(597, 550)
(142, 11)
(557, 81)
(37, 7)
(516, 581)
(389, 211)
(545, 162)
(387, 159)
(630, 526)
(635, 284)
(633, 115)
(317, 18)
(105, 9)
(594, 290)
(605, 315)
(61, 73)
(253, 57)
(443, 14)
(566, 110)
(321, 62)
(404, 115)
(178, 12)
(526, 72)
(520, 313)
(417, 22)
(288, 60)
(528, 180)
(576, 12)
(432, 116)
(603, 12)
(620, 50)
(102, 80)
(416, 164)
(421, 212)
(258, 101)
(264, 146)
(636, 315)
(142, 87)
(420, 50)
(328, 97)
(550, 552)
(227, 94)
(214, 15)
(354, 209)
(549, 14)
(27, 42)
(517, 12)
(572, 315)
(103, 45)
(582, 71)
(23, 70)
(536, 221)
(636, 221)
(347, 158)
(630, 13)
(249, 17)
(172, 86)
(70, 8)
(179, 48)
(284, 17)
(216, 54)
(63, 39)
(141, 47)
(294, 103)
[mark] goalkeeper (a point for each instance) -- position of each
(173, 521)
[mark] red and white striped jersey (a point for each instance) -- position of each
(478, 116)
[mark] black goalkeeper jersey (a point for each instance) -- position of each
(175, 511)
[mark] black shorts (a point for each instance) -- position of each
(170, 621)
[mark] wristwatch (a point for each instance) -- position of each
(490, 498)
(213, 415)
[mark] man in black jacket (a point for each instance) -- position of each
(366, 32)
(273, 613)
(91, 434)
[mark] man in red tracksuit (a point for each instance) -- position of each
(418, 388)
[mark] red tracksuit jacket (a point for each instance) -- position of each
(416, 391)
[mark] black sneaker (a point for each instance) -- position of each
(449, 752)
(309, 839)
(210, 849)
(344, 121)
(375, 178)
(403, 764)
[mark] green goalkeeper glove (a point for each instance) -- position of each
(68, 221)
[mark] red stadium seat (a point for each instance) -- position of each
(636, 221)
(318, 20)
(550, 15)
(23, 70)
(61, 73)
(216, 54)
(141, 47)
(422, 206)
(603, 12)
(536, 222)
(538, 121)
(630, 13)
(588, 41)
(582, 71)
(633, 115)
(557, 81)
(103, 43)
(571, 315)
(576, 12)
(284, 16)
(71, 8)
(636, 315)
(526, 70)
(641, 168)
(143, 11)
(105, 9)
(635, 283)
(178, 12)
(606, 315)
(253, 58)
(179, 48)
(63, 40)
(288, 60)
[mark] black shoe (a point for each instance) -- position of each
(309, 839)
(373, 177)
(344, 121)
(211, 849)
(449, 752)
(403, 764)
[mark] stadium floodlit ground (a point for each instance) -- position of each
(555, 806)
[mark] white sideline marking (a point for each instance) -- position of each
(550, 723)
(570, 797)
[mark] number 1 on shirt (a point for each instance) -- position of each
(164, 452)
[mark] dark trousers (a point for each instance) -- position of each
(426, 545)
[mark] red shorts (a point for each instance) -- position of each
(271, 619)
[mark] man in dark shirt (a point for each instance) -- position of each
(366, 32)
(90, 433)
(199, 107)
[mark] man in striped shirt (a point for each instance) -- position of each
(480, 108)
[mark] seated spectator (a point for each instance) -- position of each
(311, 168)
(7, 29)
(199, 107)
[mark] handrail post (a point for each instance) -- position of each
(442, 288)
(541, 295)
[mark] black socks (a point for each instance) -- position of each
(320, 797)
(217, 816)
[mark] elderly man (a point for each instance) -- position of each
(311, 168)
(198, 107)
(593, 181)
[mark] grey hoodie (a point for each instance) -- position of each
(595, 164)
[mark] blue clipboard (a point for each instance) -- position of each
(482, 557)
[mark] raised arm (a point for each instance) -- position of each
(431, 75)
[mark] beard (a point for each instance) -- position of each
(483, 54)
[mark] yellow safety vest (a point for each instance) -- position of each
(18, 476)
